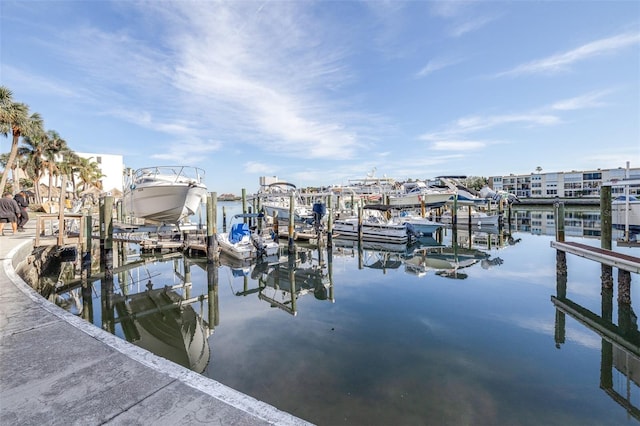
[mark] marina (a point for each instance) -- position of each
(433, 303)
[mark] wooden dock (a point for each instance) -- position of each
(621, 261)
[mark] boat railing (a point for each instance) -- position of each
(170, 173)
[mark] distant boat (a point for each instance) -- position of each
(164, 194)
(626, 212)
(243, 244)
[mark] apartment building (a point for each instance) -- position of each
(573, 184)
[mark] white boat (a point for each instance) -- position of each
(243, 244)
(478, 218)
(417, 193)
(275, 198)
(422, 225)
(375, 227)
(164, 194)
(626, 213)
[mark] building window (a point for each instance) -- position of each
(99, 160)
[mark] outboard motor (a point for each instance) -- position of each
(319, 210)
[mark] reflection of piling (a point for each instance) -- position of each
(212, 241)
(292, 281)
(330, 272)
(329, 224)
(212, 299)
(624, 287)
(561, 293)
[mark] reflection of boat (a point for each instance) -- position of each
(159, 321)
(375, 227)
(164, 194)
(626, 212)
(242, 243)
(445, 261)
(351, 244)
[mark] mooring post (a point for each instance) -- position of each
(360, 223)
(329, 224)
(454, 211)
(423, 208)
(244, 202)
(61, 230)
(559, 219)
(469, 220)
(292, 202)
(224, 218)
(106, 236)
(606, 224)
(212, 241)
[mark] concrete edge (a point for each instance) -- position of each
(211, 387)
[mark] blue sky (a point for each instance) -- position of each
(317, 93)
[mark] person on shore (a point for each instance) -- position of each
(9, 212)
(21, 199)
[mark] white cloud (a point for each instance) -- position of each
(458, 145)
(436, 65)
(562, 61)
(259, 168)
(589, 100)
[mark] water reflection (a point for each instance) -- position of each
(383, 347)
(620, 344)
(281, 283)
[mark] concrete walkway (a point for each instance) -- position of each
(55, 368)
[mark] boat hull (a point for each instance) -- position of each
(348, 228)
(435, 199)
(166, 203)
(625, 214)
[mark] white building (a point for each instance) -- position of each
(573, 184)
(111, 166)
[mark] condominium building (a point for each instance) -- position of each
(573, 184)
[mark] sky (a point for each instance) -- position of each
(321, 92)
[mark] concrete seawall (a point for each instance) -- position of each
(55, 368)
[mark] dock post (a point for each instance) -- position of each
(244, 202)
(454, 211)
(292, 202)
(423, 208)
(212, 241)
(606, 224)
(359, 223)
(329, 224)
(469, 221)
(559, 219)
(106, 236)
(61, 230)
(224, 218)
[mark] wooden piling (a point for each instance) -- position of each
(606, 222)
(559, 220)
(292, 202)
(212, 241)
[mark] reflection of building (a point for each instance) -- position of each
(578, 221)
(562, 184)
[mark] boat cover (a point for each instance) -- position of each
(239, 230)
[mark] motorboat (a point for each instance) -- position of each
(164, 194)
(419, 224)
(275, 199)
(374, 225)
(417, 193)
(478, 218)
(625, 211)
(244, 244)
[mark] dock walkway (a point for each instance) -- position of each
(607, 257)
(55, 368)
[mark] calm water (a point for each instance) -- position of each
(381, 338)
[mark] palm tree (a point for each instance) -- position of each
(89, 173)
(54, 147)
(15, 118)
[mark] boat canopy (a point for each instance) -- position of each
(238, 230)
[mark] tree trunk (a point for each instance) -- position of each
(12, 159)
